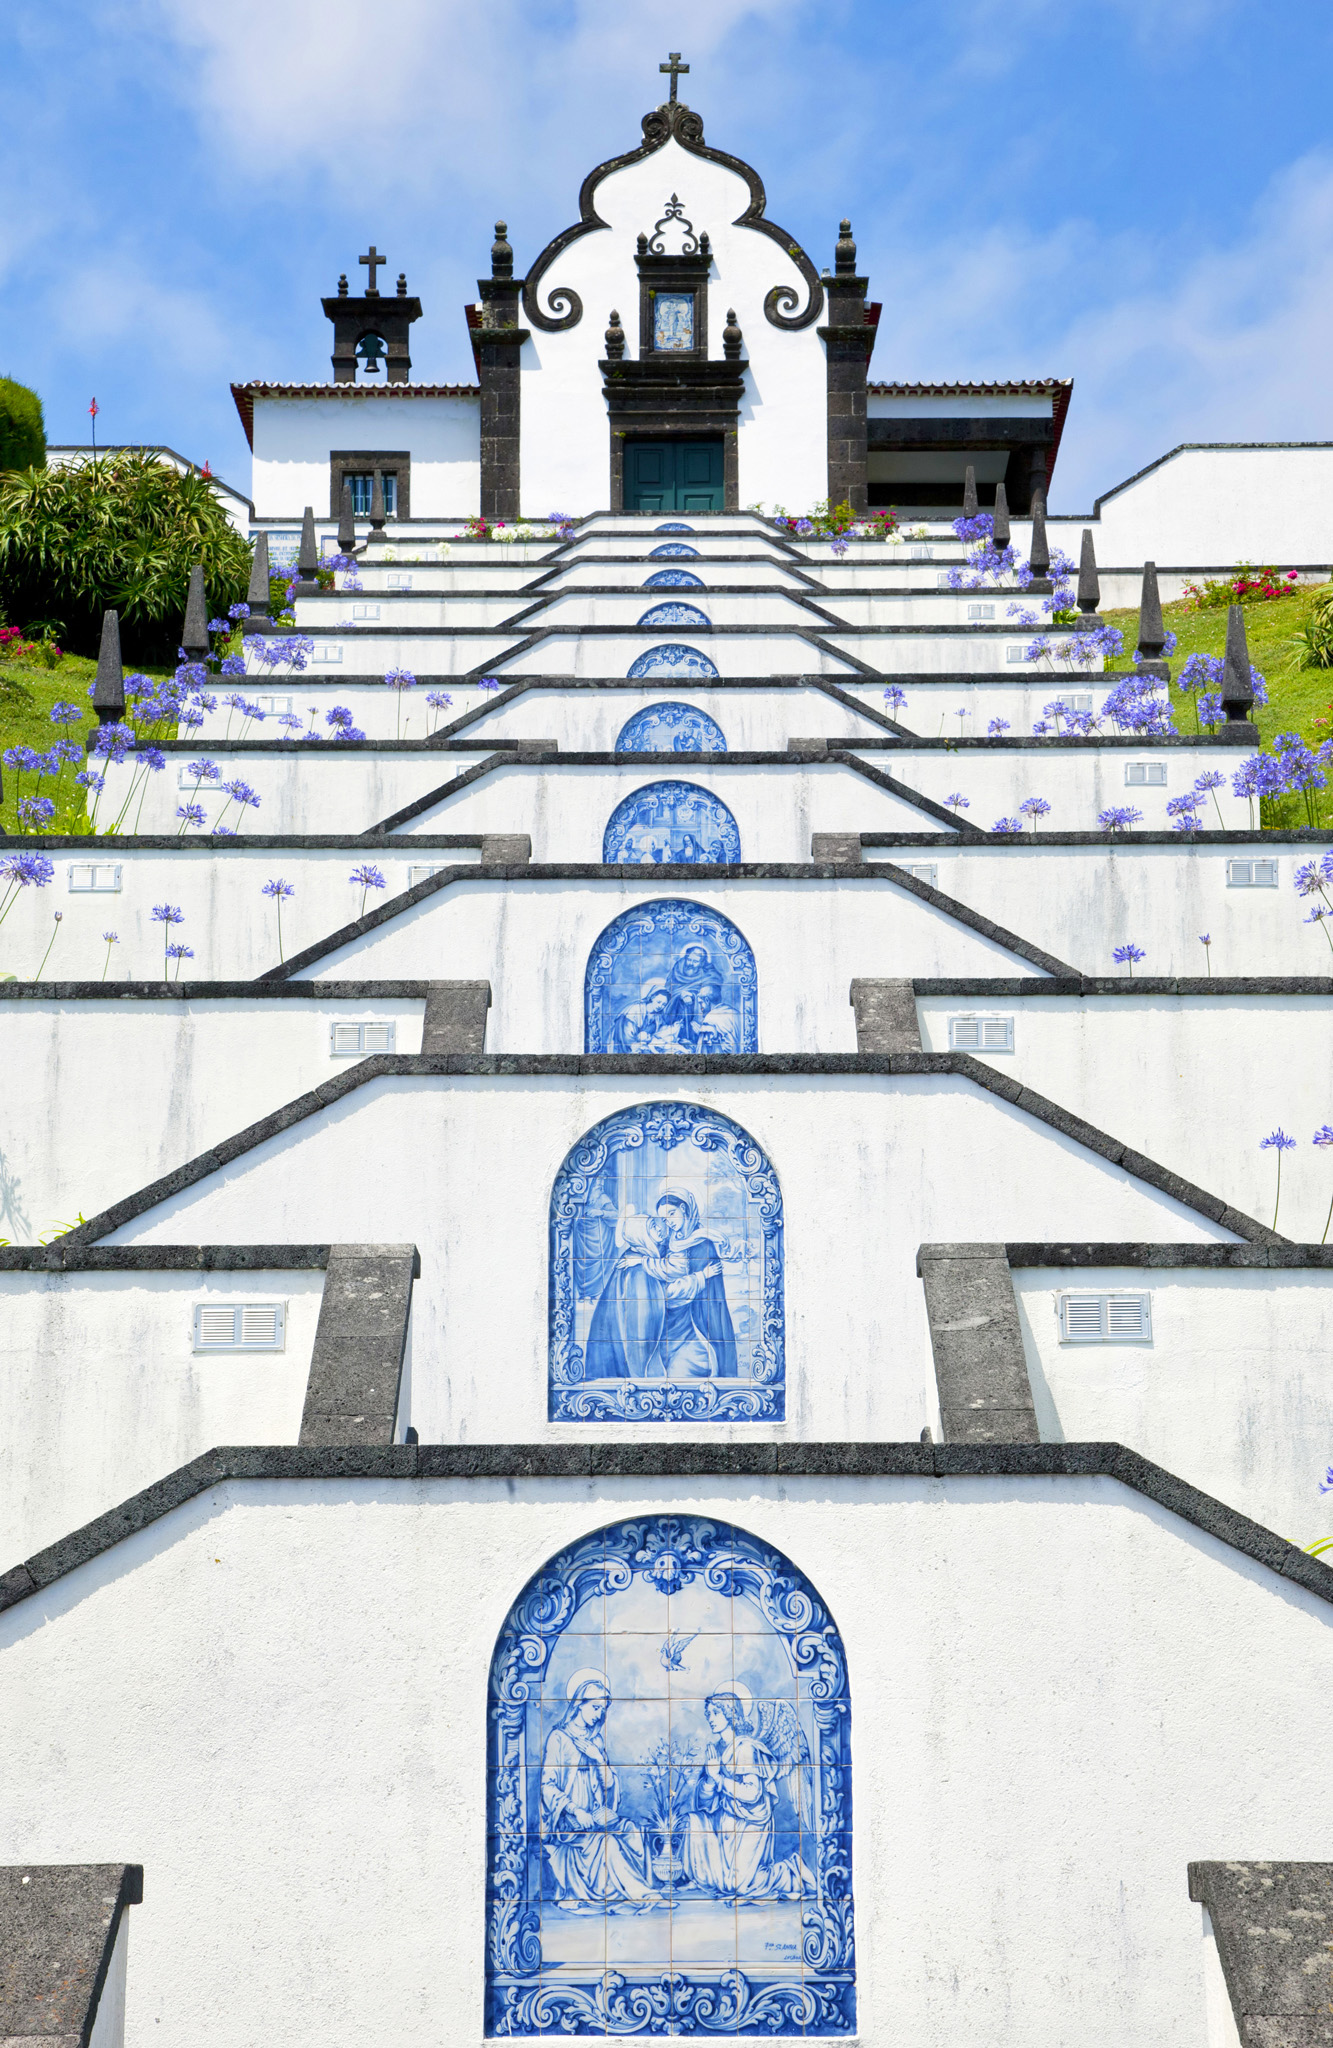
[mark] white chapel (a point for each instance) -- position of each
(653, 1381)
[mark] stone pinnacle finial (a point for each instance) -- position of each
(1000, 529)
(502, 256)
(615, 338)
(969, 492)
(1089, 587)
(1237, 678)
(844, 251)
(731, 338)
(377, 505)
(109, 682)
(1152, 632)
(194, 633)
(307, 558)
(257, 596)
(402, 284)
(346, 521)
(342, 285)
(1039, 560)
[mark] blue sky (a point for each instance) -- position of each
(1134, 193)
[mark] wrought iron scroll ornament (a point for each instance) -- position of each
(564, 307)
(676, 212)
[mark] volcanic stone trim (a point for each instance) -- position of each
(61, 1257)
(980, 1370)
(58, 1929)
(356, 1367)
(510, 1066)
(886, 1019)
(1215, 1257)
(642, 1461)
(1271, 1923)
(1136, 985)
(210, 991)
(455, 1019)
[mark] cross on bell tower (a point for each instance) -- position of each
(676, 68)
(373, 258)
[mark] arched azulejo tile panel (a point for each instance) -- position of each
(669, 978)
(666, 1273)
(669, 1758)
(674, 526)
(667, 822)
(674, 579)
(678, 548)
(673, 613)
(671, 729)
(671, 659)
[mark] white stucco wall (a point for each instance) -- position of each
(1208, 508)
(935, 1159)
(1060, 1696)
(1233, 1392)
(293, 438)
(102, 1392)
(565, 439)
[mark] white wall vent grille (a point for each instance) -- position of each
(1105, 1318)
(365, 611)
(1251, 874)
(918, 552)
(326, 657)
(346, 1040)
(1145, 775)
(981, 1034)
(981, 611)
(274, 707)
(942, 580)
(399, 583)
(247, 1326)
(422, 872)
(1015, 654)
(94, 876)
(923, 871)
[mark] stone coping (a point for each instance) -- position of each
(1014, 986)
(502, 1067)
(827, 1462)
(1205, 1257)
(835, 748)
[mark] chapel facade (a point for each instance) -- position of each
(678, 1404)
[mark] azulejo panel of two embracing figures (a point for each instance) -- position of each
(670, 1793)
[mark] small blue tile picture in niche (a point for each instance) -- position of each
(671, 978)
(667, 822)
(666, 1273)
(674, 579)
(671, 659)
(678, 548)
(674, 526)
(669, 1774)
(671, 729)
(674, 613)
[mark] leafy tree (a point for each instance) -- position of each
(123, 532)
(22, 429)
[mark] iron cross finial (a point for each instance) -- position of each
(374, 259)
(675, 67)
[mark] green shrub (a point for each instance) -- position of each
(22, 428)
(1315, 639)
(124, 533)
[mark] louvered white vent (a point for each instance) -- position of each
(923, 871)
(326, 657)
(1105, 1318)
(981, 611)
(942, 580)
(348, 1039)
(86, 876)
(365, 611)
(1251, 874)
(918, 552)
(981, 1034)
(420, 872)
(274, 706)
(246, 1326)
(399, 583)
(1015, 654)
(1145, 774)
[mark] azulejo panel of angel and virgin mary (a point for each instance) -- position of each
(670, 1804)
(670, 978)
(666, 1273)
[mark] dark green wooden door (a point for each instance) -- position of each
(673, 476)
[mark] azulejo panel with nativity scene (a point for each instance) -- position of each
(668, 822)
(671, 978)
(671, 729)
(669, 1793)
(666, 1273)
(673, 659)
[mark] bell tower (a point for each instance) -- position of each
(371, 331)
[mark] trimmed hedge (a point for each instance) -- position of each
(22, 428)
